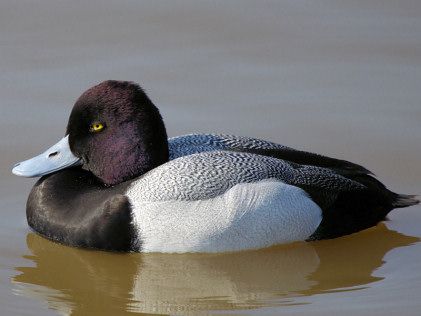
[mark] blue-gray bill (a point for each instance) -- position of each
(57, 157)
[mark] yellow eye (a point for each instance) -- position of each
(96, 127)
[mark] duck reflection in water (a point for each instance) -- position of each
(82, 282)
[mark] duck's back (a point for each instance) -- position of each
(197, 143)
(345, 209)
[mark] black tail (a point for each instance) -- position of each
(355, 210)
(403, 200)
(387, 198)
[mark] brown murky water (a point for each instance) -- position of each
(341, 78)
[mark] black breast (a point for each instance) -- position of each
(73, 208)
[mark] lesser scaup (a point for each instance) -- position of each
(115, 182)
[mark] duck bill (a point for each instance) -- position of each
(57, 157)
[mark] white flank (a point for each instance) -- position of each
(247, 216)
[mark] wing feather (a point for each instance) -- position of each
(196, 143)
(209, 174)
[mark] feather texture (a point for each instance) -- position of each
(209, 174)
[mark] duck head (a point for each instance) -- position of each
(114, 131)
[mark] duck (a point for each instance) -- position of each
(116, 182)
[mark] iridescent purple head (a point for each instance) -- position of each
(117, 132)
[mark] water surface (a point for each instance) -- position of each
(340, 78)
